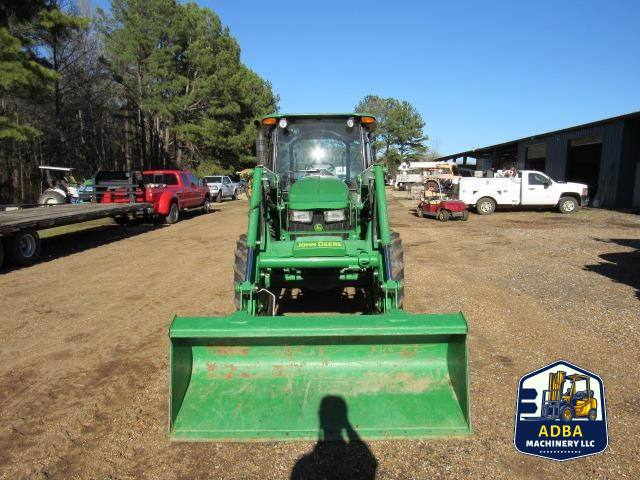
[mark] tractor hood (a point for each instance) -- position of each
(318, 193)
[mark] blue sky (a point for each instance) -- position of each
(479, 72)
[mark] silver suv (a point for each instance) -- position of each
(221, 187)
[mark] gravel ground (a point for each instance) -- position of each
(84, 358)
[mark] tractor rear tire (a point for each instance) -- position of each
(239, 266)
(51, 198)
(397, 265)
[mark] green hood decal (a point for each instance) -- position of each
(318, 192)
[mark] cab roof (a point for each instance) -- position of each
(312, 115)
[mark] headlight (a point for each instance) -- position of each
(334, 216)
(300, 216)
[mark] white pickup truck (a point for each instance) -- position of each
(528, 188)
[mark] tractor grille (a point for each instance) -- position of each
(318, 218)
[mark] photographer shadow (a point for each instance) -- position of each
(336, 456)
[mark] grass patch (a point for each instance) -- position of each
(75, 227)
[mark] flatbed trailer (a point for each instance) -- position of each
(19, 225)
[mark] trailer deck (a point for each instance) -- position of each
(57, 215)
(19, 225)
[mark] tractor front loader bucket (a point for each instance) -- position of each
(242, 378)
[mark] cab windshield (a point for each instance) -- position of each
(311, 147)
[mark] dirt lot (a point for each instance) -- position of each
(84, 357)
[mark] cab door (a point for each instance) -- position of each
(227, 187)
(536, 189)
(188, 190)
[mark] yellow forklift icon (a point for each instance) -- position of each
(577, 401)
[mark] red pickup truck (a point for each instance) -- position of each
(169, 191)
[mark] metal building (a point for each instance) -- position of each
(603, 154)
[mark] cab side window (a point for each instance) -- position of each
(537, 179)
(226, 180)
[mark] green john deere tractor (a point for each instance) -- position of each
(318, 222)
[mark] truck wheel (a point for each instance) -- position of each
(239, 266)
(486, 206)
(593, 414)
(567, 205)
(443, 215)
(219, 197)
(23, 247)
(420, 213)
(397, 264)
(51, 198)
(206, 206)
(465, 215)
(121, 220)
(174, 214)
(567, 413)
(235, 195)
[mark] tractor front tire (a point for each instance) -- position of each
(397, 265)
(239, 266)
(593, 414)
(567, 413)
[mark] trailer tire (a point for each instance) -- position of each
(486, 206)
(52, 198)
(173, 215)
(444, 215)
(397, 265)
(239, 266)
(23, 247)
(567, 413)
(567, 205)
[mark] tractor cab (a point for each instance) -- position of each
(320, 146)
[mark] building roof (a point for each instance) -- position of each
(482, 151)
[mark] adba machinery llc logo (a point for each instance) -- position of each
(561, 413)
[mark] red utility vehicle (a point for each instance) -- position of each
(169, 191)
(443, 210)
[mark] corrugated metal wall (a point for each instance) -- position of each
(558, 149)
